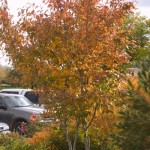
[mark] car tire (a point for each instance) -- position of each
(19, 127)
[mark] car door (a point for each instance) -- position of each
(5, 114)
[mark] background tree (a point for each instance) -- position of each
(14, 78)
(140, 35)
(62, 51)
(144, 74)
(135, 115)
(4, 72)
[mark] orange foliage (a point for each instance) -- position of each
(38, 137)
(124, 86)
(140, 91)
(61, 51)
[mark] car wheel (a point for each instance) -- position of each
(20, 128)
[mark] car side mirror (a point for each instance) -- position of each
(3, 106)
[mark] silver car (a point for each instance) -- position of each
(16, 110)
(4, 128)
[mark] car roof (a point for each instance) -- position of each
(16, 90)
(6, 94)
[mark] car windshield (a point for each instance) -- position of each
(17, 101)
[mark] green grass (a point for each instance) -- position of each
(4, 86)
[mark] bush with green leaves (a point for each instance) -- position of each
(12, 141)
(46, 137)
(53, 137)
(32, 128)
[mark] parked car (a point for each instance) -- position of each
(16, 110)
(4, 128)
(28, 93)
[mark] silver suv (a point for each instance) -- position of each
(28, 93)
(16, 109)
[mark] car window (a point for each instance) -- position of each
(33, 97)
(1, 101)
(17, 101)
(10, 92)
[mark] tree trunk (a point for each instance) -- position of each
(69, 144)
(67, 136)
(86, 142)
(86, 126)
(75, 141)
(76, 134)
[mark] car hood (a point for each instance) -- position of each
(30, 109)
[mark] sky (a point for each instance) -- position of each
(143, 6)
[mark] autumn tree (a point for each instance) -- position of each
(66, 51)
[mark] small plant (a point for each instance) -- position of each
(13, 141)
(32, 128)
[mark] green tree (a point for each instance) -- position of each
(14, 78)
(4, 72)
(135, 115)
(140, 37)
(144, 74)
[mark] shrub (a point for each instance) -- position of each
(35, 127)
(53, 138)
(13, 141)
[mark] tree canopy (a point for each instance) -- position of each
(66, 51)
(140, 34)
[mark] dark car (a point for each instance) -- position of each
(16, 109)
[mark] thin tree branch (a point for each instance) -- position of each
(95, 108)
